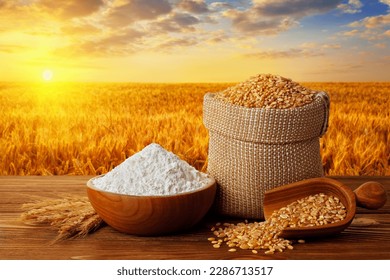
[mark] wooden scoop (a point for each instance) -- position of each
(370, 195)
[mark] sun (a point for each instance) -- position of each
(47, 75)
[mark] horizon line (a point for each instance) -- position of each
(171, 82)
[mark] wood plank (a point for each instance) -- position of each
(20, 241)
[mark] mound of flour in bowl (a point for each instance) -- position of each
(152, 171)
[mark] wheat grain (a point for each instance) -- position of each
(72, 216)
(308, 211)
(267, 91)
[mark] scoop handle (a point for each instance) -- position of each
(371, 195)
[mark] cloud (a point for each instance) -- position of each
(123, 42)
(296, 8)
(64, 63)
(220, 6)
(124, 27)
(15, 17)
(8, 48)
(176, 43)
(351, 33)
(194, 6)
(371, 28)
(7, 4)
(175, 22)
(352, 7)
(331, 46)
(216, 37)
(70, 8)
(45, 17)
(307, 49)
(184, 19)
(134, 10)
(80, 29)
(372, 22)
(3, 4)
(386, 2)
(340, 68)
(251, 22)
(272, 17)
(290, 53)
(315, 45)
(309, 45)
(381, 46)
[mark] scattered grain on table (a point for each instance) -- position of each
(314, 210)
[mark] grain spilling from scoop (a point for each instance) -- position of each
(313, 210)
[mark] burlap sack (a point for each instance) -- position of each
(252, 150)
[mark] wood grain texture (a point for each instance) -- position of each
(20, 241)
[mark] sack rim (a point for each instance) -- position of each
(267, 125)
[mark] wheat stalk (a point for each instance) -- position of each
(72, 216)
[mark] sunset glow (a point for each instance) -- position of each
(195, 40)
(47, 75)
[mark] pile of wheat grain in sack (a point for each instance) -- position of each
(263, 133)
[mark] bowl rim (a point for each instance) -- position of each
(208, 185)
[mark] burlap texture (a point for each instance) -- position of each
(252, 150)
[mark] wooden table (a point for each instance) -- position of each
(24, 242)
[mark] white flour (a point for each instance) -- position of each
(152, 171)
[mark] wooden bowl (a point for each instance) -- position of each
(151, 215)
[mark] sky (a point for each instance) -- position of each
(194, 40)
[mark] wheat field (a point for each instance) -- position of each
(89, 128)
